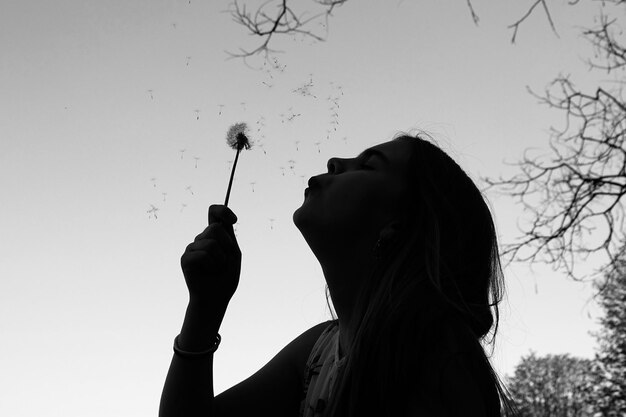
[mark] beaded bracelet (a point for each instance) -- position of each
(204, 353)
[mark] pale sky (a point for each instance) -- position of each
(98, 98)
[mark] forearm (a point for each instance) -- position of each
(188, 389)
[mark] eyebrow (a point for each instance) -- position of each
(373, 151)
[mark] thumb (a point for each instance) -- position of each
(222, 214)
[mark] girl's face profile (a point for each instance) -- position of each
(355, 199)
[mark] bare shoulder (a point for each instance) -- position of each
(276, 388)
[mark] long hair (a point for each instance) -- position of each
(443, 268)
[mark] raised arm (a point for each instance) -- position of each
(211, 265)
(188, 389)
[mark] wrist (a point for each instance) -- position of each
(206, 307)
(196, 354)
(201, 326)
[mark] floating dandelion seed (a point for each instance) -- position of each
(236, 138)
(318, 146)
(153, 210)
(164, 194)
(271, 224)
(197, 112)
(153, 179)
(252, 184)
(297, 149)
(278, 66)
(293, 116)
(188, 188)
(221, 106)
(197, 159)
(188, 59)
(283, 169)
(305, 90)
(151, 96)
(182, 151)
(183, 205)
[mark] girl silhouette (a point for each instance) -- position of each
(409, 252)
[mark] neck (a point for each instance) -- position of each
(344, 287)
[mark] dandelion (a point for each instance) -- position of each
(236, 138)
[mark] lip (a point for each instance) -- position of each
(313, 182)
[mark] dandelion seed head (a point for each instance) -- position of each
(237, 136)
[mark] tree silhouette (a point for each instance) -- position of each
(610, 357)
(553, 386)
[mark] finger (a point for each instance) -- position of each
(220, 233)
(194, 256)
(203, 235)
(221, 214)
(206, 245)
(191, 259)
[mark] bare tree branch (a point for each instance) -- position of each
(583, 182)
(284, 21)
(515, 26)
(472, 12)
(606, 45)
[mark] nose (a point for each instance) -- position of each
(333, 165)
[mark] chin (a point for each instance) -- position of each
(297, 217)
(303, 220)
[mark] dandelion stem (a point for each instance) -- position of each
(232, 174)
